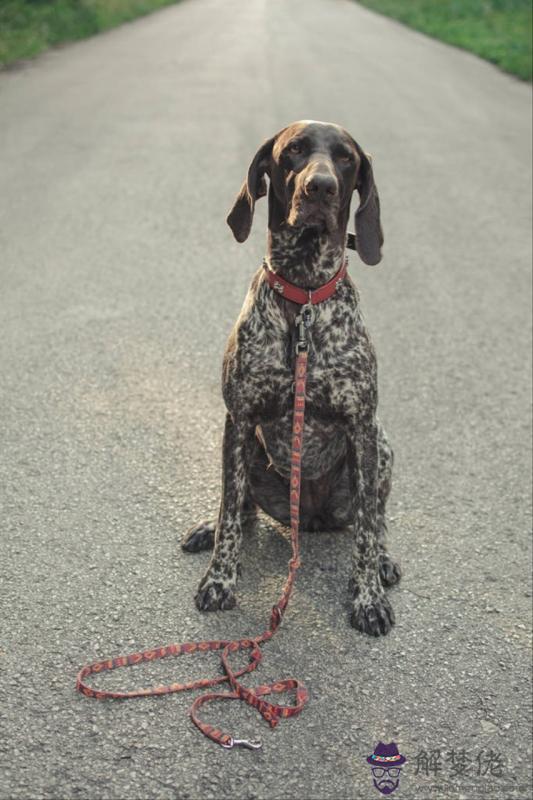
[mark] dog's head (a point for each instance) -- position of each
(314, 168)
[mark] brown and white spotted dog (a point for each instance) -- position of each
(313, 168)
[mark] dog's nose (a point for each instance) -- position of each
(321, 186)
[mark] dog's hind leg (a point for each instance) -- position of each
(202, 535)
(199, 537)
(389, 570)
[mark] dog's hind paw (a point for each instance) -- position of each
(199, 537)
(374, 617)
(390, 571)
(214, 595)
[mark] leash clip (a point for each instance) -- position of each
(303, 321)
(249, 744)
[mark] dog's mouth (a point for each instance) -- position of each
(310, 215)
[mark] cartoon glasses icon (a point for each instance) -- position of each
(379, 772)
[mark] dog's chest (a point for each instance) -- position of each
(339, 353)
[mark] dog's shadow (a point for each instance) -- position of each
(322, 578)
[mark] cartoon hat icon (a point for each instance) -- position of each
(386, 755)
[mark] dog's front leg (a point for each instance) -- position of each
(217, 587)
(372, 612)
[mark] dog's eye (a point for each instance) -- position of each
(295, 148)
(344, 158)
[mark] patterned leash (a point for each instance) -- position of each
(271, 712)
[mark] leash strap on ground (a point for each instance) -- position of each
(271, 712)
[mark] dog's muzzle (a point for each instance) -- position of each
(316, 198)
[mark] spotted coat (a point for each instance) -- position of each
(346, 458)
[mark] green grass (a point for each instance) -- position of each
(27, 27)
(497, 30)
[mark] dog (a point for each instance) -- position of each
(313, 170)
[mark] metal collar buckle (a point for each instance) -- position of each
(303, 322)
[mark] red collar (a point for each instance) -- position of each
(302, 296)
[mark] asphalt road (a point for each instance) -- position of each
(119, 159)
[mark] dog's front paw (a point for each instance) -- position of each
(390, 571)
(215, 593)
(372, 616)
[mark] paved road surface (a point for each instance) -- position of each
(119, 160)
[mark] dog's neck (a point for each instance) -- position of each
(305, 257)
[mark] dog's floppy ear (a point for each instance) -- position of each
(241, 215)
(367, 219)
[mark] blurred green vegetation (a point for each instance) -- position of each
(498, 30)
(27, 27)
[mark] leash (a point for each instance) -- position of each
(270, 711)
